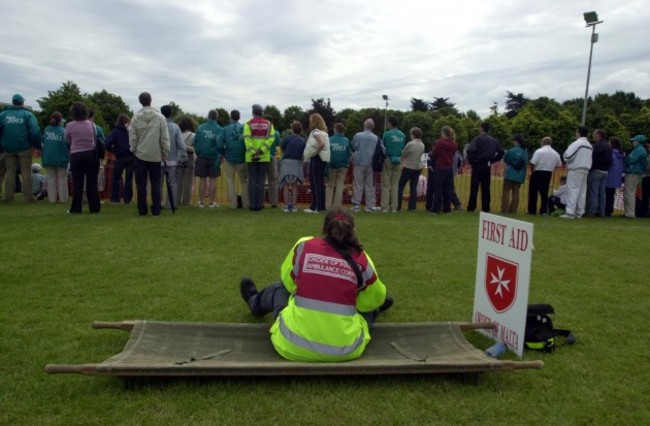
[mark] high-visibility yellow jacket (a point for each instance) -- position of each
(259, 135)
(321, 322)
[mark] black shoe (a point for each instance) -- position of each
(247, 289)
(388, 302)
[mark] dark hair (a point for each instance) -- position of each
(520, 138)
(91, 113)
(122, 120)
(56, 118)
(235, 115)
(145, 99)
(583, 131)
(393, 121)
(296, 127)
(187, 124)
(601, 133)
(338, 229)
(166, 110)
(79, 111)
(212, 115)
(485, 126)
(339, 128)
(616, 143)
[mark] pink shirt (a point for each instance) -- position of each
(80, 135)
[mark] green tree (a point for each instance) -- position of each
(422, 120)
(274, 112)
(293, 113)
(59, 100)
(108, 107)
(515, 103)
(324, 108)
(419, 105)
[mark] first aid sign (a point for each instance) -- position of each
(503, 278)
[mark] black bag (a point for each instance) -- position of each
(540, 334)
(100, 146)
(378, 157)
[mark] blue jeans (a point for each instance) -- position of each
(596, 183)
(123, 165)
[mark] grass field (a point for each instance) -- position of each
(61, 272)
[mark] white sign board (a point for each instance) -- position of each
(503, 278)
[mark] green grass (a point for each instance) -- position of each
(61, 272)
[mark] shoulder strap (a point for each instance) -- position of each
(351, 262)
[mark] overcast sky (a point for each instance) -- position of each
(204, 54)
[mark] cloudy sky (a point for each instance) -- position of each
(203, 54)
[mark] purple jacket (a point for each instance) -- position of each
(615, 172)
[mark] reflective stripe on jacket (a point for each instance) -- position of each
(321, 322)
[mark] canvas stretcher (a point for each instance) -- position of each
(177, 349)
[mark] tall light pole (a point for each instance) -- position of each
(591, 19)
(385, 98)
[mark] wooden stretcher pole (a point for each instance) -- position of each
(517, 365)
(123, 325)
(87, 369)
(465, 326)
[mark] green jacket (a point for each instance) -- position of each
(206, 141)
(394, 141)
(514, 158)
(231, 141)
(637, 160)
(341, 151)
(56, 152)
(19, 130)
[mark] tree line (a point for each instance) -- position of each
(622, 114)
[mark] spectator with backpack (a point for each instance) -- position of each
(364, 145)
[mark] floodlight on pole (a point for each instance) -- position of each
(591, 19)
(386, 99)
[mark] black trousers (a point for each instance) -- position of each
(153, 171)
(84, 167)
(444, 183)
(256, 179)
(317, 183)
(411, 176)
(481, 176)
(539, 184)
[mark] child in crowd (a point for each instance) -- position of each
(39, 190)
(558, 199)
(291, 166)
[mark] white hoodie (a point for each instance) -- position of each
(578, 154)
(148, 135)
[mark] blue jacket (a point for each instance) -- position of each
(363, 145)
(117, 142)
(340, 151)
(19, 130)
(615, 172)
(56, 152)
(516, 156)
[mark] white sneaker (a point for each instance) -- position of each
(214, 205)
(310, 211)
(373, 209)
(385, 210)
(201, 205)
(286, 209)
(356, 209)
(566, 216)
